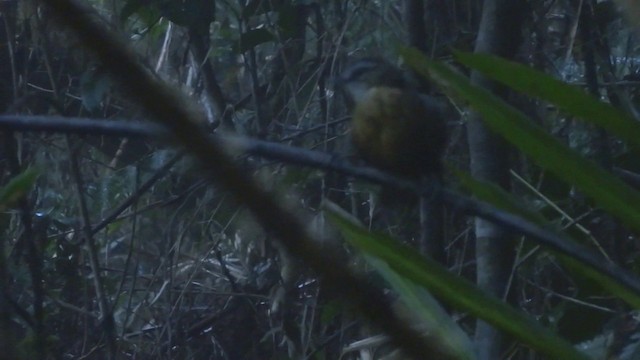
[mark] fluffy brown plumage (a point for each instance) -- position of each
(394, 127)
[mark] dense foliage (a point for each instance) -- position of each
(117, 244)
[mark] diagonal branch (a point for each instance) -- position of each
(332, 162)
(170, 108)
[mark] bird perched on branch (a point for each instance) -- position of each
(394, 127)
(397, 129)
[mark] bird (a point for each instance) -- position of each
(394, 127)
(399, 130)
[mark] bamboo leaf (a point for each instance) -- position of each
(609, 192)
(569, 98)
(456, 291)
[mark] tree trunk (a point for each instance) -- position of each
(499, 34)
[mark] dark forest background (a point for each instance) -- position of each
(125, 239)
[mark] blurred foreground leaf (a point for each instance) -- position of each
(609, 192)
(453, 290)
(17, 187)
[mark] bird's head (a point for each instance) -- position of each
(366, 73)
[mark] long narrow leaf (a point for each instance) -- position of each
(456, 291)
(569, 98)
(18, 187)
(609, 192)
(426, 313)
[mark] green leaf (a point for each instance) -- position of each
(18, 187)
(609, 192)
(569, 98)
(424, 312)
(456, 291)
